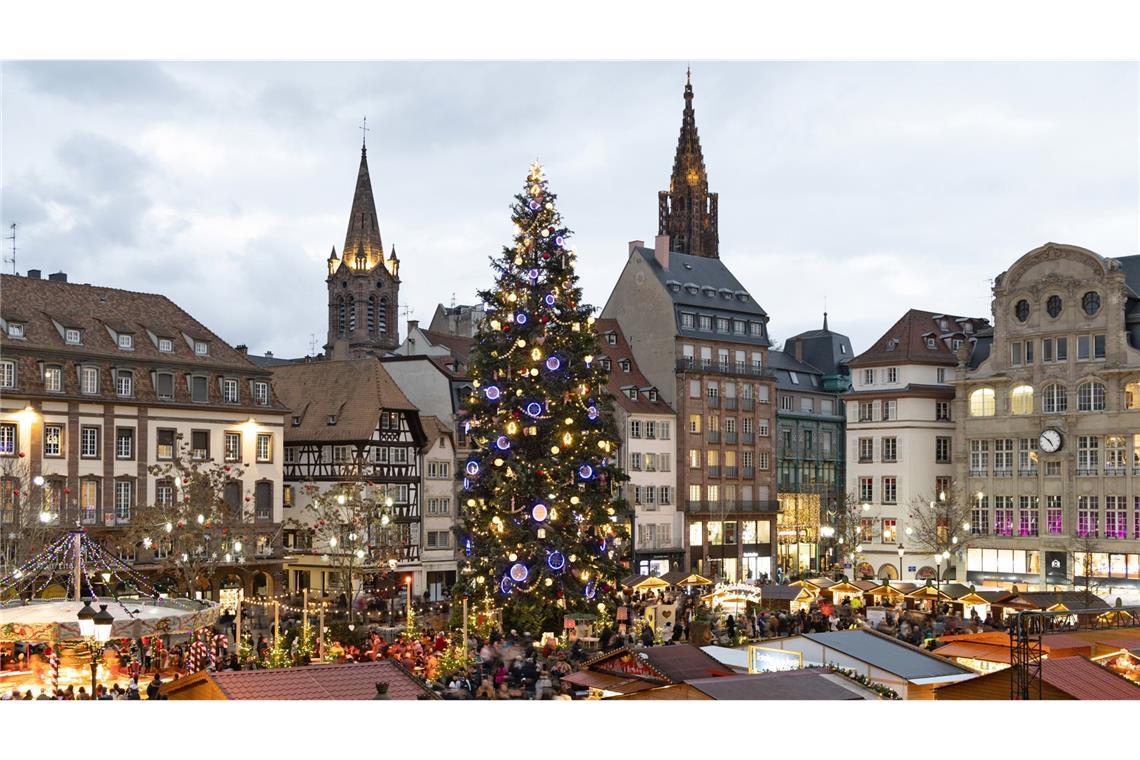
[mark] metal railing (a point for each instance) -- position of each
(724, 369)
(736, 507)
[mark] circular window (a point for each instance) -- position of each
(1021, 311)
(1053, 306)
(1091, 303)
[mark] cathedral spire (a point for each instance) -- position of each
(362, 242)
(687, 211)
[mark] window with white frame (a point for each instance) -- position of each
(165, 345)
(1088, 455)
(89, 442)
(89, 380)
(229, 390)
(892, 374)
(261, 393)
(124, 383)
(53, 440)
(126, 341)
(264, 447)
(868, 377)
(890, 489)
(53, 379)
(15, 330)
(634, 428)
(72, 336)
(7, 374)
(232, 447)
(439, 506)
(124, 500)
(201, 348)
(124, 443)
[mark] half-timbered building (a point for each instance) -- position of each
(349, 422)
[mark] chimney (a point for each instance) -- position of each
(268, 354)
(413, 324)
(242, 349)
(799, 349)
(634, 245)
(34, 274)
(58, 277)
(661, 251)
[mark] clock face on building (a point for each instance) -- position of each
(1050, 441)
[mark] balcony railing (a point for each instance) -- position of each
(747, 404)
(730, 436)
(658, 545)
(730, 472)
(1114, 469)
(1094, 470)
(730, 402)
(748, 473)
(1003, 473)
(714, 471)
(769, 507)
(978, 472)
(713, 402)
(714, 436)
(738, 370)
(748, 437)
(1027, 472)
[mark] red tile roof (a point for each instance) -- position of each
(354, 391)
(620, 379)
(905, 341)
(356, 681)
(1081, 678)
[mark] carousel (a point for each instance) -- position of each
(67, 613)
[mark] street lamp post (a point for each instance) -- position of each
(902, 551)
(95, 627)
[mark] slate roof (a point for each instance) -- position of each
(888, 654)
(434, 429)
(782, 363)
(1073, 600)
(706, 286)
(905, 341)
(620, 380)
(810, 683)
(92, 309)
(684, 662)
(319, 682)
(823, 349)
(355, 391)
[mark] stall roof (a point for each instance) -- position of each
(820, 583)
(975, 651)
(320, 682)
(812, 683)
(679, 578)
(607, 682)
(889, 654)
(1082, 678)
(779, 591)
(645, 582)
(681, 662)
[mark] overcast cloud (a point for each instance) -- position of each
(878, 186)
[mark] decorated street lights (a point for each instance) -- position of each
(95, 627)
(902, 551)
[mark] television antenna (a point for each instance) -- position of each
(11, 258)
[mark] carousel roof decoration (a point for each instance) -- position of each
(83, 567)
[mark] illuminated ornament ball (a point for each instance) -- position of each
(492, 392)
(585, 472)
(553, 363)
(519, 572)
(472, 468)
(539, 512)
(503, 443)
(534, 408)
(591, 590)
(520, 318)
(549, 299)
(592, 412)
(556, 561)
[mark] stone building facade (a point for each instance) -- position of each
(97, 385)
(1048, 411)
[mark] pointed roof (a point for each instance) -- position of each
(689, 154)
(363, 236)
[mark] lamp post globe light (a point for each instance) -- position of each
(87, 620)
(902, 551)
(95, 627)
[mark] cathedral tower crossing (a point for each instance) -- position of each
(687, 211)
(364, 284)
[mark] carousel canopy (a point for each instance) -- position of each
(57, 620)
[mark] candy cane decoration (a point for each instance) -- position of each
(54, 661)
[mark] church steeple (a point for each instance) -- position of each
(362, 244)
(363, 284)
(687, 211)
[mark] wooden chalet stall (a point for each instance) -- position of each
(1065, 678)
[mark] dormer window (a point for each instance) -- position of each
(795, 378)
(201, 348)
(632, 393)
(126, 341)
(165, 345)
(15, 329)
(72, 336)
(611, 339)
(892, 344)
(652, 394)
(956, 343)
(930, 343)
(296, 421)
(331, 420)
(624, 363)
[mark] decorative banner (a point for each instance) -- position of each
(765, 660)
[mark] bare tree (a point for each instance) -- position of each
(352, 527)
(939, 525)
(192, 529)
(849, 533)
(1083, 547)
(32, 511)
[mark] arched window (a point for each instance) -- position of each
(351, 314)
(1132, 395)
(1021, 400)
(1054, 399)
(382, 317)
(1090, 397)
(340, 315)
(982, 403)
(371, 314)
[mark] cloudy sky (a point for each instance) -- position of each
(876, 186)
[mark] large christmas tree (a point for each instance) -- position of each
(540, 530)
